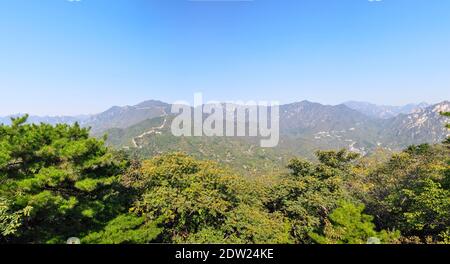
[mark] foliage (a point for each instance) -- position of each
(310, 192)
(57, 182)
(248, 225)
(125, 229)
(196, 201)
(348, 224)
(10, 221)
(245, 225)
(185, 193)
(65, 181)
(423, 208)
(410, 193)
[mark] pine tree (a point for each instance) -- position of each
(65, 181)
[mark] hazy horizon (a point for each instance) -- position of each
(205, 101)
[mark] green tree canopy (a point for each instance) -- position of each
(196, 201)
(125, 229)
(347, 224)
(410, 193)
(310, 192)
(65, 181)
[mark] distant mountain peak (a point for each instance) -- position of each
(385, 111)
(441, 107)
(152, 103)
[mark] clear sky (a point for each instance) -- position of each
(76, 57)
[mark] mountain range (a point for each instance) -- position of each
(144, 129)
(384, 111)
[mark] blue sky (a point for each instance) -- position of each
(62, 57)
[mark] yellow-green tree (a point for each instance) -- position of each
(411, 193)
(347, 224)
(310, 192)
(198, 202)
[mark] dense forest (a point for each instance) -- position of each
(58, 182)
